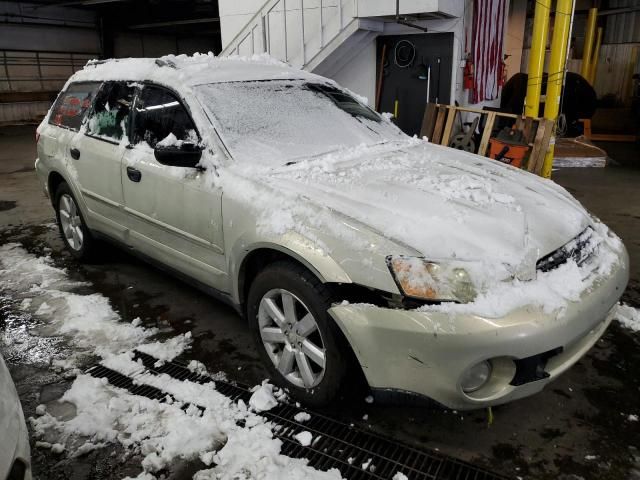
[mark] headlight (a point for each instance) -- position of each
(433, 281)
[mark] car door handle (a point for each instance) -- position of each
(134, 174)
(75, 153)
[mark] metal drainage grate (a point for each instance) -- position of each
(335, 445)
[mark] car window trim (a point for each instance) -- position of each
(221, 145)
(113, 142)
(64, 92)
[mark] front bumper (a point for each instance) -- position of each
(427, 353)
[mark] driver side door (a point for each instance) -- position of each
(174, 215)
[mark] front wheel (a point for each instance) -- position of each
(73, 229)
(296, 338)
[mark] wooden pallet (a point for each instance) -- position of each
(438, 123)
(606, 137)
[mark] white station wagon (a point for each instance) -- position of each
(438, 273)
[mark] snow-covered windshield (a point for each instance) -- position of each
(276, 122)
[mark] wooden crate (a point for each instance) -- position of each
(606, 137)
(438, 122)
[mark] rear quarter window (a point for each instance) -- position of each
(73, 104)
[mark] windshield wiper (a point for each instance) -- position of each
(302, 157)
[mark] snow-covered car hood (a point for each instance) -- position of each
(10, 419)
(440, 202)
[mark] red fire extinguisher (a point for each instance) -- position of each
(468, 73)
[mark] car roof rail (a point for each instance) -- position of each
(163, 62)
(94, 62)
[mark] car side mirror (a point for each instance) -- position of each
(186, 155)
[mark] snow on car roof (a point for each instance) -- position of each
(181, 70)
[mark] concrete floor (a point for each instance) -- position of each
(546, 436)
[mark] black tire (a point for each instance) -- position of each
(87, 249)
(316, 297)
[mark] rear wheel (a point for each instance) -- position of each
(73, 229)
(297, 339)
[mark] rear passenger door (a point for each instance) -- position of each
(97, 157)
(174, 214)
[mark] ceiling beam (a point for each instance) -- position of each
(79, 3)
(174, 23)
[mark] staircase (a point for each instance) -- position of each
(315, 35)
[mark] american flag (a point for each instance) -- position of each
(487, 38)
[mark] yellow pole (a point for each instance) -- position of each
(557, 61)
(588, 42)
(593, 64)
(536, 57)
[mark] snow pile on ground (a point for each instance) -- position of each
(88, 321)
(193, 421)
(262, 398)
(167, 350)
(628, 316)
(302, 417)
(304, 438)
(250, 454)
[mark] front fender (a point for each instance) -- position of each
(293, 245)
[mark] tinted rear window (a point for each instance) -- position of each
(72, 105)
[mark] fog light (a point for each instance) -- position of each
(475, 377)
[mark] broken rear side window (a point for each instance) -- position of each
(73, 104)
(109, 118)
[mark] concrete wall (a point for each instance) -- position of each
(42, 46)
(32, 27)
(360, 74)
(234, 15)
(22, 112)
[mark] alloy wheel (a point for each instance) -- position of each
(291, 338)
(71, 222)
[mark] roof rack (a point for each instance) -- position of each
(165, 63)
(158, 61)
(94, 62)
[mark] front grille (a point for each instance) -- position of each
(335, 445)
(532, 368)
(580, 249)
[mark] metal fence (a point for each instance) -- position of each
(38, 71)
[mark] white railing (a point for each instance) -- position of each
(294, 31)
